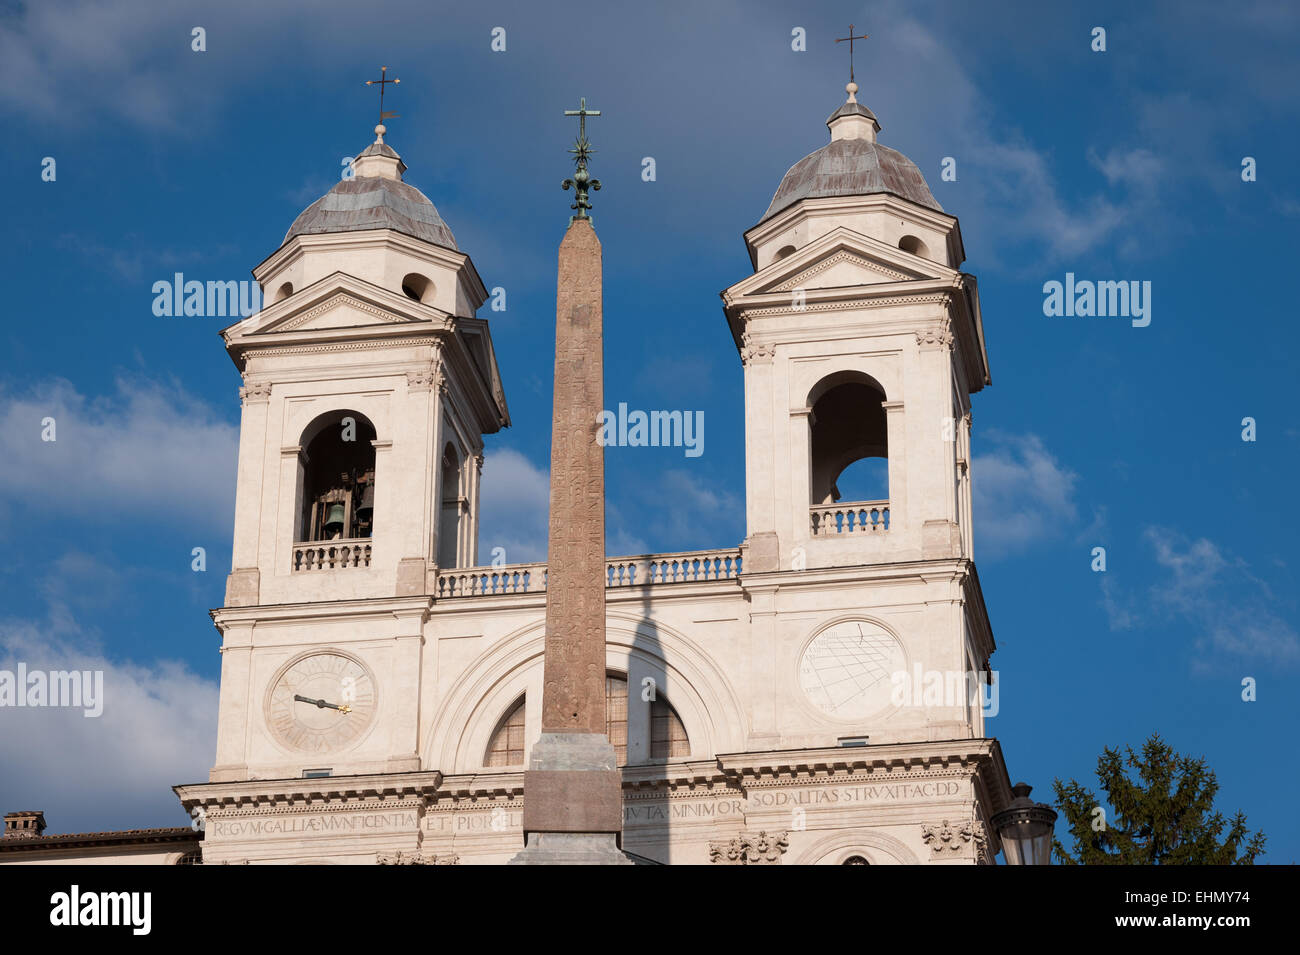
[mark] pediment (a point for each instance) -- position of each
(341, 310)
(843, 268)
(842, 259)
(339, 301)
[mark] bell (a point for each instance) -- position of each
(334, 521)
(367, 508)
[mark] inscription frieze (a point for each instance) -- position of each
(316, 823)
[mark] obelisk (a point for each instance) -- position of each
(573, 799)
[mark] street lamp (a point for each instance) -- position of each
(1025, 828)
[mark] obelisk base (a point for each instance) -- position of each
(573, 802)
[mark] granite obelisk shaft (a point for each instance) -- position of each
(573, 803)
(573, 697)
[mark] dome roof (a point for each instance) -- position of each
(380, 201)
(852, 164)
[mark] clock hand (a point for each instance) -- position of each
(321, 704)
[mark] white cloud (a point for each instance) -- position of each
(691, 503)
(1019, 200)
(1227, 609)
(121, 61)
(514, 504)
(149, 450)
(1022, 494)
(123, 767)
(1138, 168)
(1117, 612)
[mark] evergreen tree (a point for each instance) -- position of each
(1164, 816)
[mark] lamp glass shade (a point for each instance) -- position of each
(1025, 828)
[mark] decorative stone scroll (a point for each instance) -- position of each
(255, 391)
(415, 858)
(755, 351)
(945, 838)
(935, 335)
(425, 378)
(750, 848)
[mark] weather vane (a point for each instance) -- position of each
(851, 38)
(383, 81)
(581, 150)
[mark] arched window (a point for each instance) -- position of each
(667, 734)
(506, 748)
(616, 715)
(848, 426)
(283, 292)
(418, 287)
(855, 860)
(782, 252)
(338, 484)
(451, 511)
(668, 738)
(910, 243)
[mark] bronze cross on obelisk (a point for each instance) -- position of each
(582, 151)
(582, 113)
(851, 38)
(383, 81)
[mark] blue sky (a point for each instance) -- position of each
(1117, 165)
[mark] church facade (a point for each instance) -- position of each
(812, 694)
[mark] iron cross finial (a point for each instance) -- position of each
(851, 38)
(382, 82)
(582, 151)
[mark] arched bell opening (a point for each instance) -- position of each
(849, 440)
(454, 508)
(338, 477)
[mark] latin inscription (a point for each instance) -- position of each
(639, 812)
(296, 825)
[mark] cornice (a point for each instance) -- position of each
(916, 571)
(400, 338)
(729, 774)
(288, 794)
(225, 617)
(942, 758)
(882, 295)
(120, 839)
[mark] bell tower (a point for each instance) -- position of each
(860, 340)
(862, 344)
(368, 383)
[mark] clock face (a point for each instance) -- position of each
(338, 680)
(846, 670)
